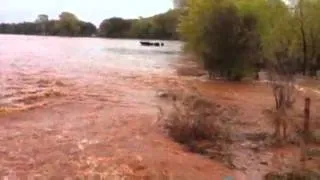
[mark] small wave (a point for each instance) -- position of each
(32, 98)
(10, 109)
(49, 82)
(4, 110)
(43, 82)
(23, 93)
(28, 101)
(60, 83)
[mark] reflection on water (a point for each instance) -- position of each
(35, 69)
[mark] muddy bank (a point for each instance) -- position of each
(255, 151)
(250, 146)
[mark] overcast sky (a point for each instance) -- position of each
(88, 10)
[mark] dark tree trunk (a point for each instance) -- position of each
(305, 57)
(304, 40)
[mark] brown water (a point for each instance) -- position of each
(80, 106)
(36, 69)
(86, 106)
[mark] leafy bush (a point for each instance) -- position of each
(232, 43)
(226, 40)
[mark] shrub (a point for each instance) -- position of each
(225, 39)
(194, 118)
(231, 43)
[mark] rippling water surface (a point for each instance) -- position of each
(34, 69)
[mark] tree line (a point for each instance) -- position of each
(161, 26)
(67, 25)
(234, 38)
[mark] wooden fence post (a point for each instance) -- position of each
(307, 118)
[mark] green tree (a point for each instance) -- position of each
(192, 23)
(307, 31)
(68, 24)
(141, 28)
(115, 27)
(289, 27)
(87, 28)
(164, 26)
(42, 18)
(41, 22)
(225, 40)
(161, 26)
(52, 27)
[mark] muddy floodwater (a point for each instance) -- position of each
(33, 69)
(88, 107)
(79, 107)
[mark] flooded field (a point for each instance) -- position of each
(79, 107)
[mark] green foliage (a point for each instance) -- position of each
(68, 24)
(225, 39)
(141, 28)
(42, 18)
(286, 34)
(115, 28)
(306, 16)
(293, 31)
(41, 23)
(192, 23)
(87, 28)
(164, 25)
(21, 28)
(290, 33)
